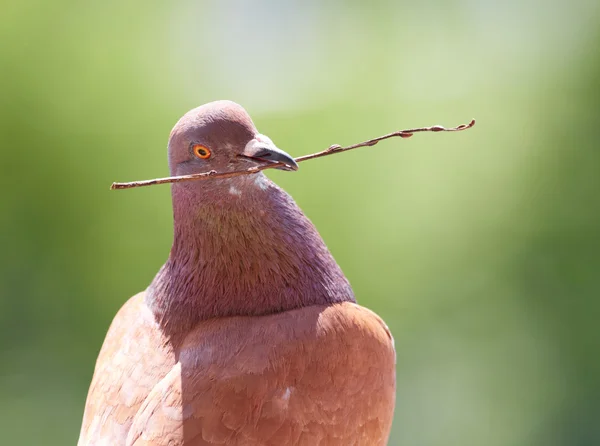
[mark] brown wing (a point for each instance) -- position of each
(133, 358)
(313, 376)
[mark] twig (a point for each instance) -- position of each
(336, 148)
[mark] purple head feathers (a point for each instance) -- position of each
(241, 245)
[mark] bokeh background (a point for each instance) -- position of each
(480, 249)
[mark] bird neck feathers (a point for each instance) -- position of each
(241, 247)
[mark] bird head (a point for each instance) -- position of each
(221, 136)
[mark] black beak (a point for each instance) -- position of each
(262, 150)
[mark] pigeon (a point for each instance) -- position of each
(250, 333)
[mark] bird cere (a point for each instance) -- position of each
(329, 151)
(250, 333)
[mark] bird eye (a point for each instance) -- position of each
(201, 151)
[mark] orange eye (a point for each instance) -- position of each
(201, 151)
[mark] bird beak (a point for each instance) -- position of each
(262, 150)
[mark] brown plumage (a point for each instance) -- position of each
(249, 334)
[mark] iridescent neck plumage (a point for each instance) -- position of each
(242, 247)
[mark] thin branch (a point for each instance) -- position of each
(336, 148)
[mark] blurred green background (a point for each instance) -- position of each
(480, 249)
